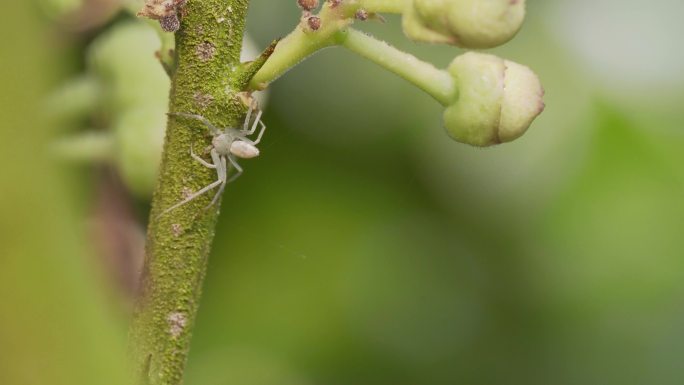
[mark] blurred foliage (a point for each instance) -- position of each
(125, 90)
(55, 328)
(366, 247)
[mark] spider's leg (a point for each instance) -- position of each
(223, 173)
(245, 126)
(202, 161)
(201, 118)
(257, 120)
(237, 167)
(191, 197)
(261, 133)
(221, 179)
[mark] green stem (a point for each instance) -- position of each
(302, 43)
(178, 243)
(335, 30)
(166, 53)
(438, 83)
(293, 49)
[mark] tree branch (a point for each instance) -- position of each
(178, 243)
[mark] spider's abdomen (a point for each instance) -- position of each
(243, 149)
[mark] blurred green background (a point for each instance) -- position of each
(364, 246)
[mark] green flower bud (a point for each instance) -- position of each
(498, 100)
(139, 137)
(465, 23)
(124, 61)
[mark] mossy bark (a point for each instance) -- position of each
(206, 81)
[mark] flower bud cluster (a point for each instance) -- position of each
(466, 23)
(487, 100)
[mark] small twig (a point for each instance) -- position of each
(248, 70)
(166, 53)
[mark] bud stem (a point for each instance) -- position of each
(438, 83)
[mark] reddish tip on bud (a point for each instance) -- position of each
(308, 5)
(361, 14)
(314, 22)
(165, 11)
(170, 23)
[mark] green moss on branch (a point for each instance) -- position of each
(178, 243)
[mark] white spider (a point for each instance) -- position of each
(226, 145)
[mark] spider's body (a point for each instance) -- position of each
(222, 143)
(233, 142)
(227, 144)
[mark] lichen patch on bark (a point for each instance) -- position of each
(203, 100)
(177, 323)
(206, 51)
